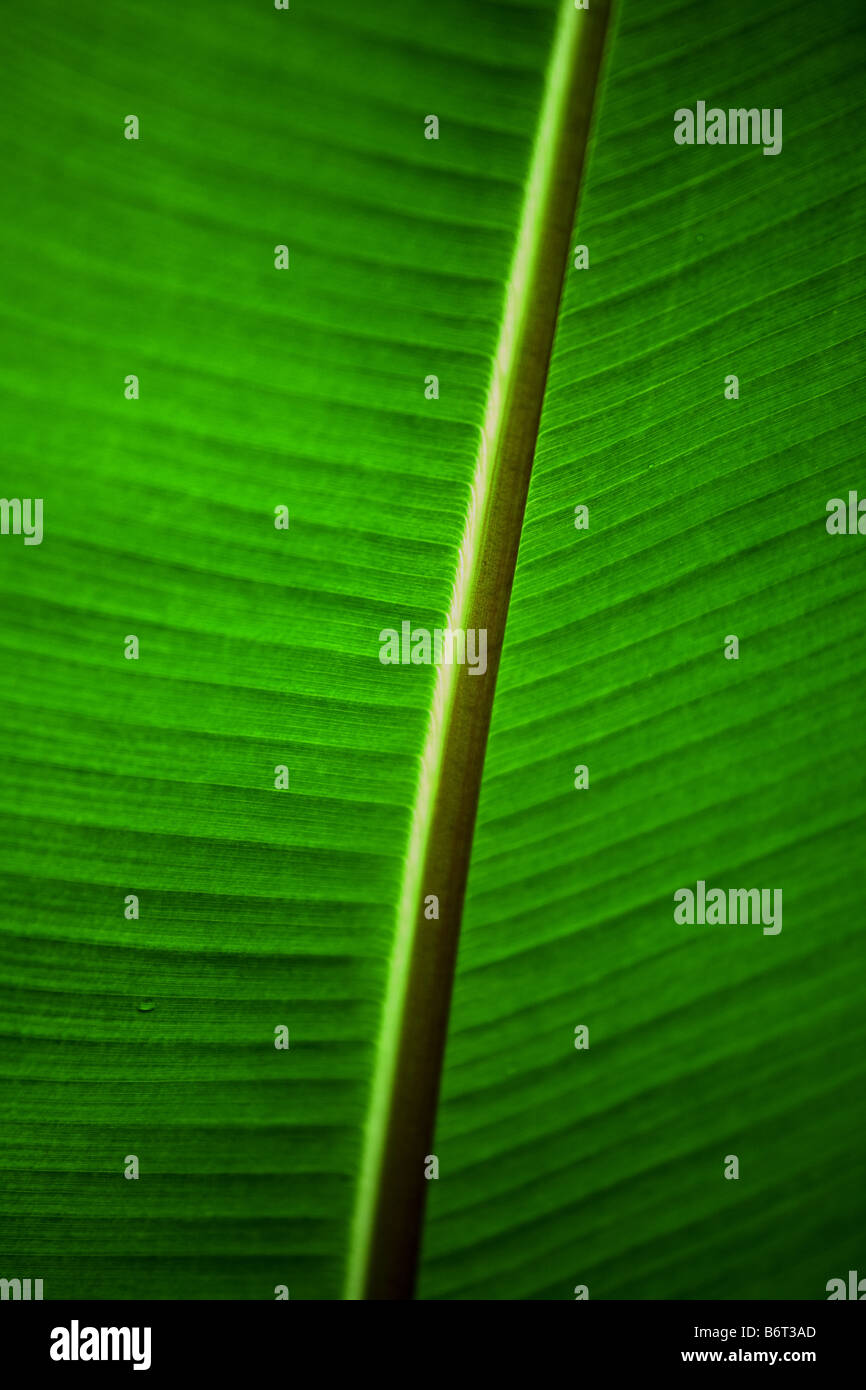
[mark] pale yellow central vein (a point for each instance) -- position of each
(528, 249)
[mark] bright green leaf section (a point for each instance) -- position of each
(258, 647)
(707, 518)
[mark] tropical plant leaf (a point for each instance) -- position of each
(261, 908)
(604, 1167)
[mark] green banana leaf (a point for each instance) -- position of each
(172, 911)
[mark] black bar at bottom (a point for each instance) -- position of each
(160, 1339)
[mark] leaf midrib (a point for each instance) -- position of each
(386, 1228)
